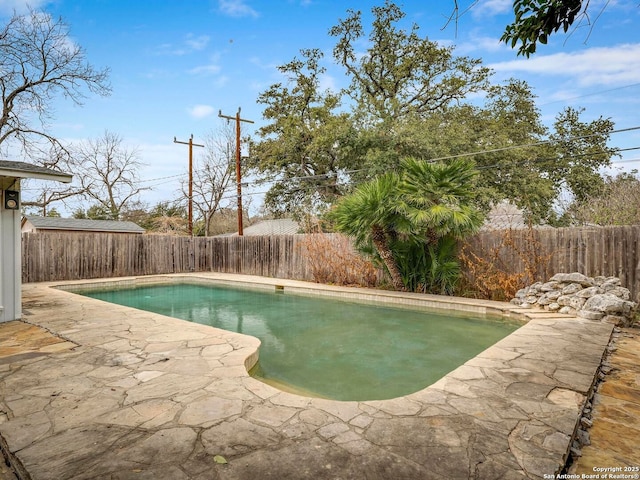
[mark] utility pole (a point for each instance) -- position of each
(238, 173)
(191, 145)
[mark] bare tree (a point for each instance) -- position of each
(48, 195)
(616, 203)
(108, 173)
(167, 218)
(212, 174)
(42, 195)
(39, 62)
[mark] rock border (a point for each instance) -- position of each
(593, 298)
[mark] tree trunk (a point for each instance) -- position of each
(380, 242)
(207, 223)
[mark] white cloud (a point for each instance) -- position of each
(267, 66)
(491, 8)
(197, 43)
(201, 111)
(190, 44)
(328, 82)
(211, 69)
(156, 73)
(478, 44)
(616, 65)
(221, 81)
(237, 8)
(7, 7)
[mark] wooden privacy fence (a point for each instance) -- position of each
(609, 251)
(49, 256)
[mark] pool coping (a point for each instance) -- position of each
(405, 299)
(154, 384)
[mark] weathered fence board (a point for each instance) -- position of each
(53, 256)
(49, 256)
(608, 251)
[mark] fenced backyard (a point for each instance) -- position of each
(50, 256)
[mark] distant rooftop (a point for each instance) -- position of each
(504, 215)
(27, 170)
(82, 225)
(281, 226)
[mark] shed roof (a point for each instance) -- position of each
(27, 170)
(83, 225)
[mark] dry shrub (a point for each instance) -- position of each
(333, 260)
(496, 273)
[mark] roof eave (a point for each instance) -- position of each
(87, 230)
(58, 177)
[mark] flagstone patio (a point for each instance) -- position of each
(104, 391)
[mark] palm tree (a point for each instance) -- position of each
(438, 201)
(438, 198)
(411, 219)
(369, 214)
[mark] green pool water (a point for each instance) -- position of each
(323, 346)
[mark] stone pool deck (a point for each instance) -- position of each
(126, 394)
(616, 412)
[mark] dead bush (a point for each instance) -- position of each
(333, 260)
(516, 260)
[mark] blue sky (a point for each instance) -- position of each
(175, 64)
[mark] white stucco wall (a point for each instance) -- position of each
(10, 261)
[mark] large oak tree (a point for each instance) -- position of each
(410, 97)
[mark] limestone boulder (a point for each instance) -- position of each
(554, 295)
(621, 292)
(567, 311)
(589, 292)
(598, 298)
(571, 301)
(617, 320)
(572, 288)
(611, 282)
(549, 287)
(574, 277)
(609, 304)
(590, 315)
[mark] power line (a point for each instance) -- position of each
(161, 178)
(543, 159)
(160, 183)
(627, 160)
(310, 188)
(627, 149)
(527, 145)
(262, 181)
(590, 94)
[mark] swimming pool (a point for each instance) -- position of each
(326, 347)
